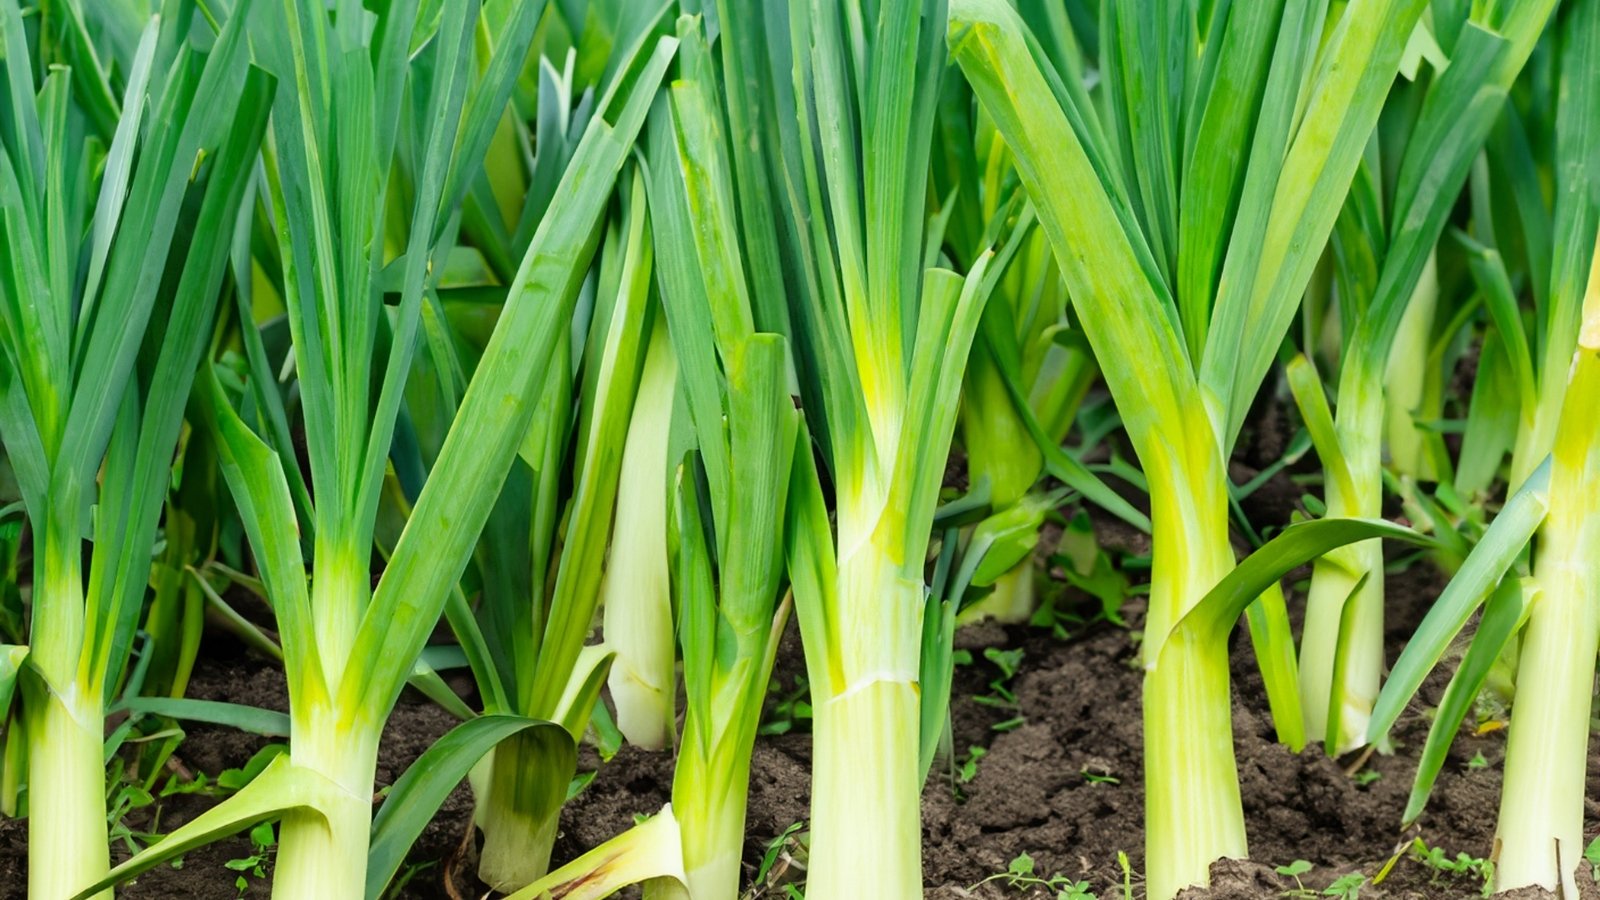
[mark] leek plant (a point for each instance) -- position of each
(1544, 607)
(885, 336)
(732, 490)
(729, 504)
(884, 358)
(541, 566)
(107, 294)
(1185, 267)
(1397, 210)
(402, 97)
(541, 593)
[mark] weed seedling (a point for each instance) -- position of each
(1346, 887)
(969, 767)
(1366, 777)
(1000, 695)
(1020, 876)
(1462, 865)
(262, 839)
(1295, 870)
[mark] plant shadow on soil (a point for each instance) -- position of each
(1030, 792)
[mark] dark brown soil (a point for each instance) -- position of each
(1030, 793)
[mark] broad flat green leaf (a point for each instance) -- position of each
(251, 719)
(813, 568)
(1492, 414)
(762, 426)
(575, 707)
(1002, 541)
(1299, 544)
(416, 797)
(1500, 298)
(1502, 543)
(684, 295)
(495, 410)
(279, 788)
(119, 166)
(1502, 618)
(255, 478)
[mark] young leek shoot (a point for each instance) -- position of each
(558, 679)
(732, 490)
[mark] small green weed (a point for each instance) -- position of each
(263, 839)
(1021, 876)
(1460, 866)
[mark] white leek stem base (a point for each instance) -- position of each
(519, 814)
(866, 815)
(709, 796)
(67, 844)
(326, 859)
(1539, 837)
(1193, 812)
(709, 881)
(1329, 601)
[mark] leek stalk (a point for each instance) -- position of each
(1184, 343)
(1539, 835)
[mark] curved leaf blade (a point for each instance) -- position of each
(1297, 545)
(1501, 620)
(1495, 553)
(279, 788)
(420, 792)
(265, 722)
